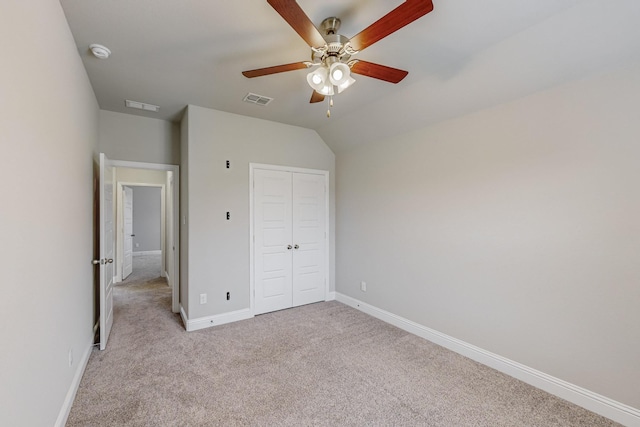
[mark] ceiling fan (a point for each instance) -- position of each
(331, 53)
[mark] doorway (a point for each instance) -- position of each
(163, 178)
(143, 227)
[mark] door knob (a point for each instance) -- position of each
(95, 262)
(296, 247)
(108, 261)
(133, 235)
(289, 247)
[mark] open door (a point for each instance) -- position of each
(127, 213)
(106, 249)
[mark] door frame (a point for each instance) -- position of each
(254, 166)
(175, 289)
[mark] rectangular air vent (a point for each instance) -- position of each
(257, 99)
(142, 106)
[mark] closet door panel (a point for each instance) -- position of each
(272, 231)
(308, 228)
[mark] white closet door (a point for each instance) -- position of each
(272, 231)
(309, 216)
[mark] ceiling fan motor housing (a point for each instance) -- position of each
(334, 51)
(330, 25)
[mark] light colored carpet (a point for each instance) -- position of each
(146, 268)
(323, 364)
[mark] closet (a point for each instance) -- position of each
(289, 213)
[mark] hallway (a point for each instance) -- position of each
(146, 270)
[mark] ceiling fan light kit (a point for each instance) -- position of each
(331, 52)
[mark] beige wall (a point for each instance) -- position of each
(138, 139)
(48, 137)
(515, 229)
(219, 249)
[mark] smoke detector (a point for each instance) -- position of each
(99, 51)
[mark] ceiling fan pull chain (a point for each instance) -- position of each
(330, 105)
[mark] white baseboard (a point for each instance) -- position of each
(594, 402)
(218, 319)
(73, 389)
(331, 296)
(183, 316)
(159, 252)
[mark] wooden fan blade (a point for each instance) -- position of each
(273, 70)
(299, 21)
(377, 71)
(316, 97)
(402, 15)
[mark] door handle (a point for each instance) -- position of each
(289, 247)
(102, 261)
(133, 235)
(296, 247)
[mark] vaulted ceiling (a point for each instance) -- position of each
(464, 56)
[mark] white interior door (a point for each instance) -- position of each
(107, 238)
(127, 214)
(272, 246)
(309, 216)
(289, 215)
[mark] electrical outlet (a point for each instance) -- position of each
(70, 357)
(203, 298)
(363, 286)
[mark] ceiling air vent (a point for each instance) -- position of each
(257, 99)
(141, 105)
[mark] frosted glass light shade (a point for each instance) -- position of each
(339, 73)
(318, 78)
(327, 89)
(346, 84)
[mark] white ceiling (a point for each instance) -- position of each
(464, 56)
